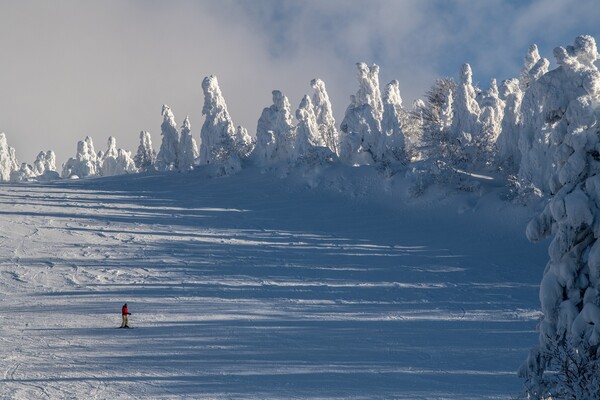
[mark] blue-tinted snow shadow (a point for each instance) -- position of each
(284, 300)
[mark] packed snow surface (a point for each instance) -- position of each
(256, 287)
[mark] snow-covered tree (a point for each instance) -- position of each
(508, 154)
(368, 89)
(116, 161)
(85, 163)
(324, 116)
(534, 67)
(8, 160)
(392, 144)
(567, 361)
(45, 162)
(275, 133)
(243, 142)
(146, 155)
(361, 125)
(188, 150)
(543, 109)
(219, 143)
(433, 117)
(168, 154)
(492, 113)
(23, 173)
(308, 135)
(466, 129)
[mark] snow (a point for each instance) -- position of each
(569, 291)
(220, 142)
(324, 115)
(8, 162)
(275, 134)
(85, 162)
(146, 155)
(188, 150)
(167, 158)
(361, 126)
(250, 286)
(383, 260)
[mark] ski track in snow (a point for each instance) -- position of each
(246, 288)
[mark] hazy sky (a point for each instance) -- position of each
(71, 68)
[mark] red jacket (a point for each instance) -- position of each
(124, 310)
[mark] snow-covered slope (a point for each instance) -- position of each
(253, 287)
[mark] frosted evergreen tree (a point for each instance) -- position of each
(324, 116)
(543, 107)
(243, 142)
(361, 125)
(368, 91)
(308, 135)
(507, 144)
(44, 162)
(534, 67)
(492, 113)
(23, 173)
(146, 155)
(168, 154)
(125, 163)
(85, 163)
(116, 161)
(392, 143)
(6, 162)
(219, 144)
(566, 365)
(14, 162)
(466, 129)
(188, 150)
(434, 119)
(275, 132)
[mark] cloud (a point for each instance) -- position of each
(71, 68)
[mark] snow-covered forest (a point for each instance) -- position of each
(537, 135)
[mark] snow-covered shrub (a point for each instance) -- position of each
(570, 288)
(116, 161)
(84, 164)
(324, 116)
(188, 150)
(146, 155)
(167, 158)
(275, 133)
(221, 143)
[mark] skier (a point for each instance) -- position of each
(125, 313)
